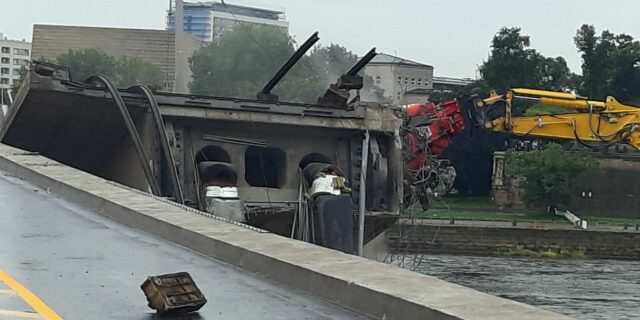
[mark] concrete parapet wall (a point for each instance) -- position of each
(487, 240)
(369, 287)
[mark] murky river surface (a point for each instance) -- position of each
(583, 289)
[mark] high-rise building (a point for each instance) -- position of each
(14, 57)
(207, 21)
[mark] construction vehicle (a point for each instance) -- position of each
(429, 128)
(595, 124)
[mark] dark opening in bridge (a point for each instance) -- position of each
(217, 174)
(265, 167)
(213, 153)
(313, 158)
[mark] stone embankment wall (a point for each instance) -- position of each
(612, 190)
(486, 240)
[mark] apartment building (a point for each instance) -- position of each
(14, 57)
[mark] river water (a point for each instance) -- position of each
(583, 289)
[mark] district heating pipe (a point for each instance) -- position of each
(363, 192)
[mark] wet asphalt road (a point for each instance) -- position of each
(85, 266)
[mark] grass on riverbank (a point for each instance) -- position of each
(465, 203)
(483, 209)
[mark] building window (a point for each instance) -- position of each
(4, 80)
(6, 50)
(4, 60)
(399, 80)
(265, 167)
(413, 80)
(419, 81)
(20, 52)
(16, 82)
(4, 70)
(378, 79)
(406, 80)
(16, 72)
(20, 62)
(426, 82)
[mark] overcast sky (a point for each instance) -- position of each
(453, 36)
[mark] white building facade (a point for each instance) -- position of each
(403, 81)
(14, 56)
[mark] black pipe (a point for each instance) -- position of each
(362, 63)
(266, 91)
(135, 138)
(164, 141)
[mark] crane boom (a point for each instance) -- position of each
(607, 122)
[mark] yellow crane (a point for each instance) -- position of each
(608, 122)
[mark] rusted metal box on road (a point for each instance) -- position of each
(173, 293)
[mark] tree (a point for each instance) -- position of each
(86, 62)
(553, 73)
(609, 64)
(548, 173)
(595, 68)
(512, 63)
(332, 61)
(123, 71)
(243, 61)
(134, 71)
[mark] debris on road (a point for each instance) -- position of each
(173, 293)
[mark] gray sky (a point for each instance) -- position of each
(453, 36)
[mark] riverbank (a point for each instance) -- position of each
(499, 238)
(484, 209)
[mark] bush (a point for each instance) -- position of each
(548, 173)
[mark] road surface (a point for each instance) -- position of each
(84, 266)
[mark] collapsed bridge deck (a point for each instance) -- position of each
(258, 147)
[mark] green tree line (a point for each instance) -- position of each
(243, 60)
(123, 71)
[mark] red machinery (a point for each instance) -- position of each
(427, 133)
(429, 130)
